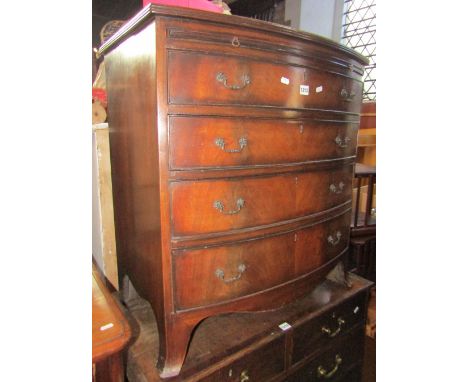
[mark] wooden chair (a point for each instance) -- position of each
(261, 10)
(362, 253)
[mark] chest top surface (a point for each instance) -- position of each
(270, 30)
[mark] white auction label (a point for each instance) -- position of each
(284, 326)
(304, 89)
(107, 326)
(319, 89)
(284, 80)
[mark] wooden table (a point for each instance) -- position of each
(111, 332)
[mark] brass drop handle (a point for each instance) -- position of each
(329, 332)
(222, 145)
(219, 273)
(334, 241)
(220, 206)
(342, 142)
(337, 189)
(323, 373)
(244, 377)
(235, 42)
(347, 97)
(221, 77)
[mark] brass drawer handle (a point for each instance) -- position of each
(222, 145)
(347, 97)
(336, 240)
(342, 142)
(329, 332)
(219, 273)
(235, 42)
(337, 189)
(323, 373)
(244, 377)
(220, 207)
(221, 77)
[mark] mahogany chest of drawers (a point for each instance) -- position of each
(232, 149)
(322, 341)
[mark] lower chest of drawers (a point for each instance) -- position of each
(322, 340)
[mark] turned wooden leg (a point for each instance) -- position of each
(173, 348)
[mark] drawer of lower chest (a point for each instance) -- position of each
(333, 324)
(209, 142)
(354, 375)
(260, 365)
(221, 273)
(196, 78)
(208, 206)
(334, 363)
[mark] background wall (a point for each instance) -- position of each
(322, 17)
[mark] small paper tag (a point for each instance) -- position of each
(356, 309)
(284, 326)
(284, 80)
(304, 89)
(319, 89)
(107, 326)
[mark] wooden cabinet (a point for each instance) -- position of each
(321, 338)
(232, 147)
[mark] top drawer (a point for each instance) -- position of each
(196, 78)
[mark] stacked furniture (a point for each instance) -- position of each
(232, 146)
(363, 243)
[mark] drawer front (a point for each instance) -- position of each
(260, 365)
(319, 244)
(202, 207)
(209, 142)
(335, 363)
(333, 324)
(354, 375)
(242, 41)
(221, 273)
(208, 79)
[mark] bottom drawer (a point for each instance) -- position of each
(336, 323)
(335, 362)
(260, 365)
(354, 375)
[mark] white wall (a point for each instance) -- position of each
(104, 250)
(292, 12)
(97, 222)
(322, 17)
